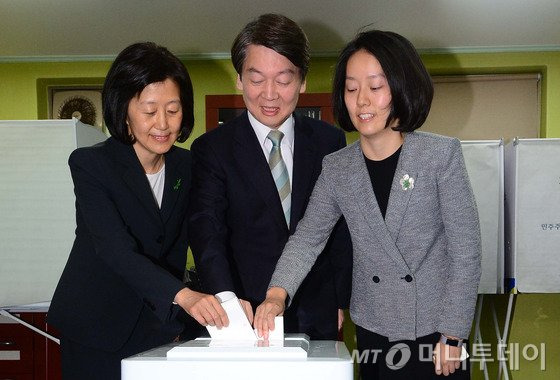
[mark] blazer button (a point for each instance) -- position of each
(159, 239)
(408, 278)
(375, 279)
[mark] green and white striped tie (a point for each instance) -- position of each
(280, 173)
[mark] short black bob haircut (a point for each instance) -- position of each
(276, 32)
(410, 83)
(137, 66)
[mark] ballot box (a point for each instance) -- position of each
(484, 160)
(532, 188)
(37, 213)
(296, 357)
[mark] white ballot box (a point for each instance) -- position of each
(484, 160)
(37, 213)
(202, 359)
(533, 215)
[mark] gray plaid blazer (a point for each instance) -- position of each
(415, 272)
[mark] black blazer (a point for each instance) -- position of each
(128, 256)
(237, 225)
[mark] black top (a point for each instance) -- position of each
(381, 174)
(128, 255)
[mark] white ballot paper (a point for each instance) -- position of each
(240, 328)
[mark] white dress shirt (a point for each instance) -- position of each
(157, 183)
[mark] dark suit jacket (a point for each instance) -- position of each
(129, 256)
(238, 229)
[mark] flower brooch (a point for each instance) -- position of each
(407, 182)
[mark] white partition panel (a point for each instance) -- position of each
(533, 214)
(485, 164)
(37, 215)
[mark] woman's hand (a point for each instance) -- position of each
(205, 308)
(446, 359)
(273, 305)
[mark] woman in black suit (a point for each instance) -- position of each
(121, 291)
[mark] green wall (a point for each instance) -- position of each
(535, 319)
(18, 81)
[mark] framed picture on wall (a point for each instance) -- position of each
(222, 108)
(81, 102)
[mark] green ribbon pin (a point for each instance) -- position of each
(177, 184)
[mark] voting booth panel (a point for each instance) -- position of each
(484, 160)
(37, 213)
(533, 215)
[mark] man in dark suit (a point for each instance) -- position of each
(252, 179)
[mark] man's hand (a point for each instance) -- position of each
(205, 308)
(273, 305)
(248, 309)
(340, 318)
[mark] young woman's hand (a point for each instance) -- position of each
(446, 359)
(272, 306)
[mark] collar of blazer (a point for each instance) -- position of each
(248, 155)
(177, 181)
(134, 176)
(387, 229)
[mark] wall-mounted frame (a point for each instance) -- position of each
(222, 108)
(64, 98)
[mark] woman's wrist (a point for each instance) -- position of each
(451, 340)
(277, 292)
(451, 336)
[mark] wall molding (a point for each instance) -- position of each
(317, 54)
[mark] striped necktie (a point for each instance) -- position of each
(280, 173)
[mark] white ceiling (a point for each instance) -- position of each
(79, 29)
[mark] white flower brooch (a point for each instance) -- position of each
(407, 182)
